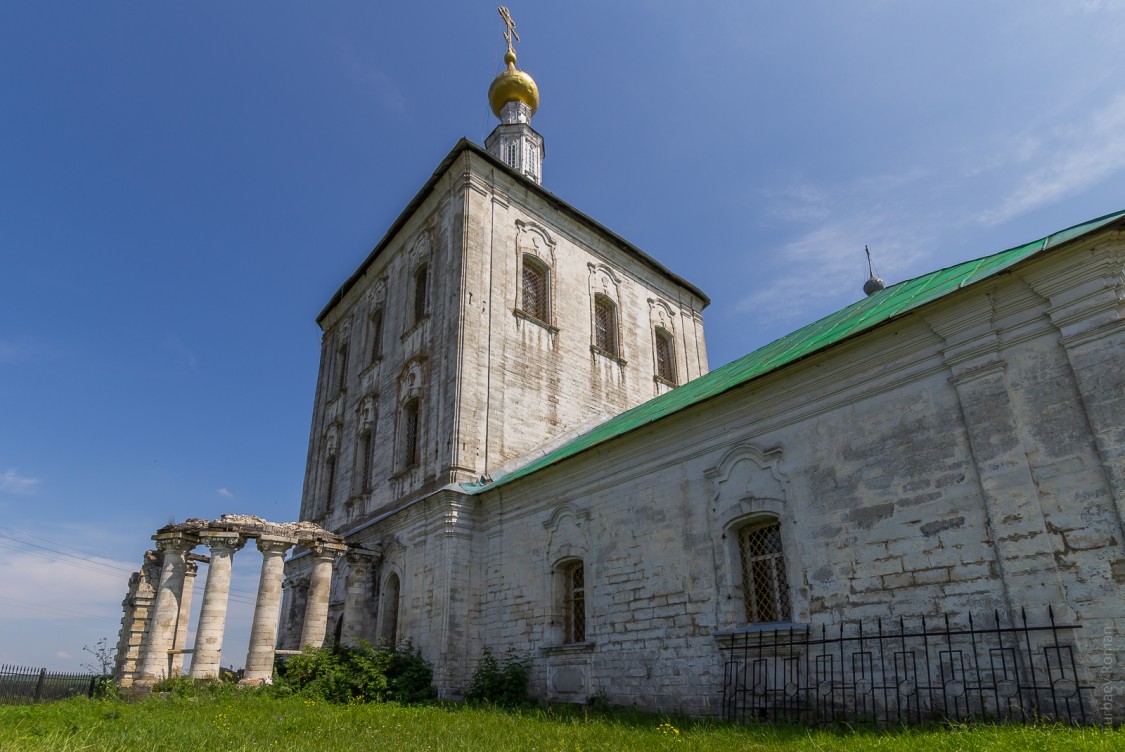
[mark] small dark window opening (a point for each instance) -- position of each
(421, 279)
(329, 482)
(376, 335)
(605, 324)
(365, 456)
(410, 437)
(342, 368)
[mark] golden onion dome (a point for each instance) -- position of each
(513, 86)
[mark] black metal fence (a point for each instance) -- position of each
(23, 684)
(930, 670)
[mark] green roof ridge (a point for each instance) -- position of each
(826, 332)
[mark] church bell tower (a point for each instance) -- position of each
(514, 98)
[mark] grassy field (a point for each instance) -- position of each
(250, 721)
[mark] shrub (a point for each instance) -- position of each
(504, 685)
(358, 673)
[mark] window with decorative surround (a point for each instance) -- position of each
(764, 585)
(364, 459)
(342, 368)
(574, 602)
(409, 433)
(665, 356)
(421, 283)
(536, 289)
(605, 324)
(329, 482)
(376, 328)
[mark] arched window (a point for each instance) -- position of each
(764, 585)
(409, 433)
(536, 289)
(605, 324)
(388, 620)
(376, 329)
(573, 585)
(665, 356)
(421, 280)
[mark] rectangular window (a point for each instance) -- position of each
(376, 335)
(411, 453)
(421, 279)
(342, 368)
(605, 325)
(665, 360)
(364, 457)
(575, 624)
(764, 585)
(534, 289)
(329, 482)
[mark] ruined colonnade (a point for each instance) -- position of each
(154, 626)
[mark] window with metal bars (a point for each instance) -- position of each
(376, 325)
(364, 459)
(665, 356)
(514, 154)
(765, 589)
(342, 368)
(605, 324)
(421, 280)
(410, 438)
(535, 288)
(329, 482)
(574, 602)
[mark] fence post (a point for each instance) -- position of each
(42, 683)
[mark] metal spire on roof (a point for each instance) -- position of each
(874, 283)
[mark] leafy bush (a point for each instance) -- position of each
(185, 686)
(358, 673)
(504, 685)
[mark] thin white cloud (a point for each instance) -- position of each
(19, 351)
(14, 483)
(1074, 157)
(375, 81)
(225, 493)
(64, 655)
(38, 586)
(183, 356)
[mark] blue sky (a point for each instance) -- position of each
(184, 185)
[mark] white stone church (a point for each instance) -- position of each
(516, 434)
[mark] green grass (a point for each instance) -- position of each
(253, 721)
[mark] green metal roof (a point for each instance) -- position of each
(859, 317)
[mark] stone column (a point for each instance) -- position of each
(320, 588)
(180, 642)
(355, 598)
(263, 633)
(166, 611)
(205, 661)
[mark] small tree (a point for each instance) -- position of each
(104, 658)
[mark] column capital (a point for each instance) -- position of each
(175, 542)
(274, 544)
(324, 550)
(222, 541)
